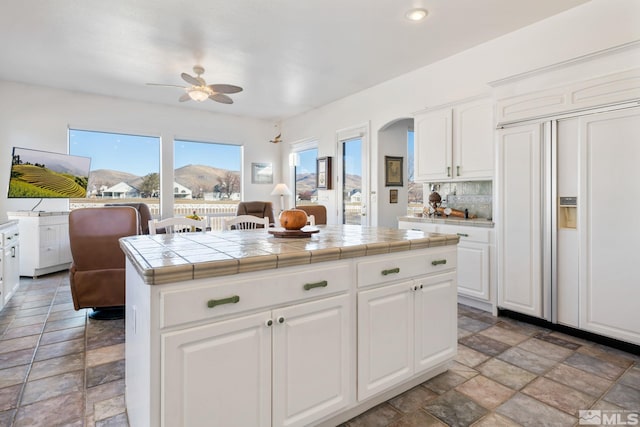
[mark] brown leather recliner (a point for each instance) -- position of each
(259, 209)
(97, 273)
(143, 211)
(319, 212)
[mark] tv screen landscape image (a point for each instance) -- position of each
(43, 174)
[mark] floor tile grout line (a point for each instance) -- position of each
(33, 356)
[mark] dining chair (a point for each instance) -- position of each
(177, 225)
(245, 222)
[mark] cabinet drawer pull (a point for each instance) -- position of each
(448, 171)
(322, 284)
(462, 234)
(231, 300)
(457, 170)
(391, 271)
(438, 261)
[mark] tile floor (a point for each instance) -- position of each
(58, 367)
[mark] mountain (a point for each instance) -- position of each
(201, 177)
(194, 177)
(108, 177)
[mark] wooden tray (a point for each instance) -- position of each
(304, 232)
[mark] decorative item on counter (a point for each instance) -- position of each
(195, 216)
(293, 219)
(434, 202)
(455, 212)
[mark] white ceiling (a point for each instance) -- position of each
(288, 55)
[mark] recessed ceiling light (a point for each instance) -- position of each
(416, 14)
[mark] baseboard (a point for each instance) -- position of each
(578, 333)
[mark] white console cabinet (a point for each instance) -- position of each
(44, 244)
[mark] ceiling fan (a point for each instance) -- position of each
(200, 91)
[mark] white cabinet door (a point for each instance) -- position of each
(385, 337)
(436, 320)
(433, 145)
(520, 221)
(473, 141)
(311, 361)
(473, 270)
(49, 237)
(218, 375)
(609, 158)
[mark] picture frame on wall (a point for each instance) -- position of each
(261, 173)
(323, 173)
(393, 167)
(393, 196)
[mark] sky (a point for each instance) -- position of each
(140, 155)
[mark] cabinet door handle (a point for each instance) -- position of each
(231, 300)
(462, 234)
(457, 170)
(438, 261)
(449, 171)
(321, 284)
(281, 320)
(391, 271)
(268, 323)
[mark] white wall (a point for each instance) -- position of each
(592, 27)
(37, 117)
(392, 141)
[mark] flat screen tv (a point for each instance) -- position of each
(44, 175)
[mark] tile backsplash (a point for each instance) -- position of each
(477, 196)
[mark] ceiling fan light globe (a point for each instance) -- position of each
(198, 95)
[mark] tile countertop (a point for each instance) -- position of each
(165, 258)
(477, 222)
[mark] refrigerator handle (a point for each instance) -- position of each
(550, 222)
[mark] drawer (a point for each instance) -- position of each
(385, 269)
(214, 298)
(471, 234)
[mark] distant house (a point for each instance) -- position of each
(181, 192)
(121, 190)
(356, 197)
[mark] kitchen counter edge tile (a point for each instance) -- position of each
(169, 258)
(477, 222)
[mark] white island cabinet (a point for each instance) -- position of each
(273, 339)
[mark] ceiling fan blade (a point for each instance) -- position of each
(191, 80)
(222, 88)
(184, 97)
(161, 84)
(219, 97)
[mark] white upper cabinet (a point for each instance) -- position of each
(455, 143)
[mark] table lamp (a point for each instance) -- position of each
(281, 190)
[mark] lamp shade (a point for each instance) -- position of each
(281, 190)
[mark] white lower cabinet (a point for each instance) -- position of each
(259, 370)
(403, 329)
(475, 278)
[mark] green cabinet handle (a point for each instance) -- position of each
(391, 271)
(457, 170)
(438, 261)
(462, 234)
(322, 284)
(231, 300)
(448, 170)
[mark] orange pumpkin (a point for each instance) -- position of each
(293, 219)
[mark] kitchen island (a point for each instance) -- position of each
(241, 328)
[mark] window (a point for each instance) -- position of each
(415, 202)
(207, 180)
(124, 168)
(305, 174)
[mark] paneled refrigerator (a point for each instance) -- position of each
(568, 220)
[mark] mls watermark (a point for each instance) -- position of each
(604, 417)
